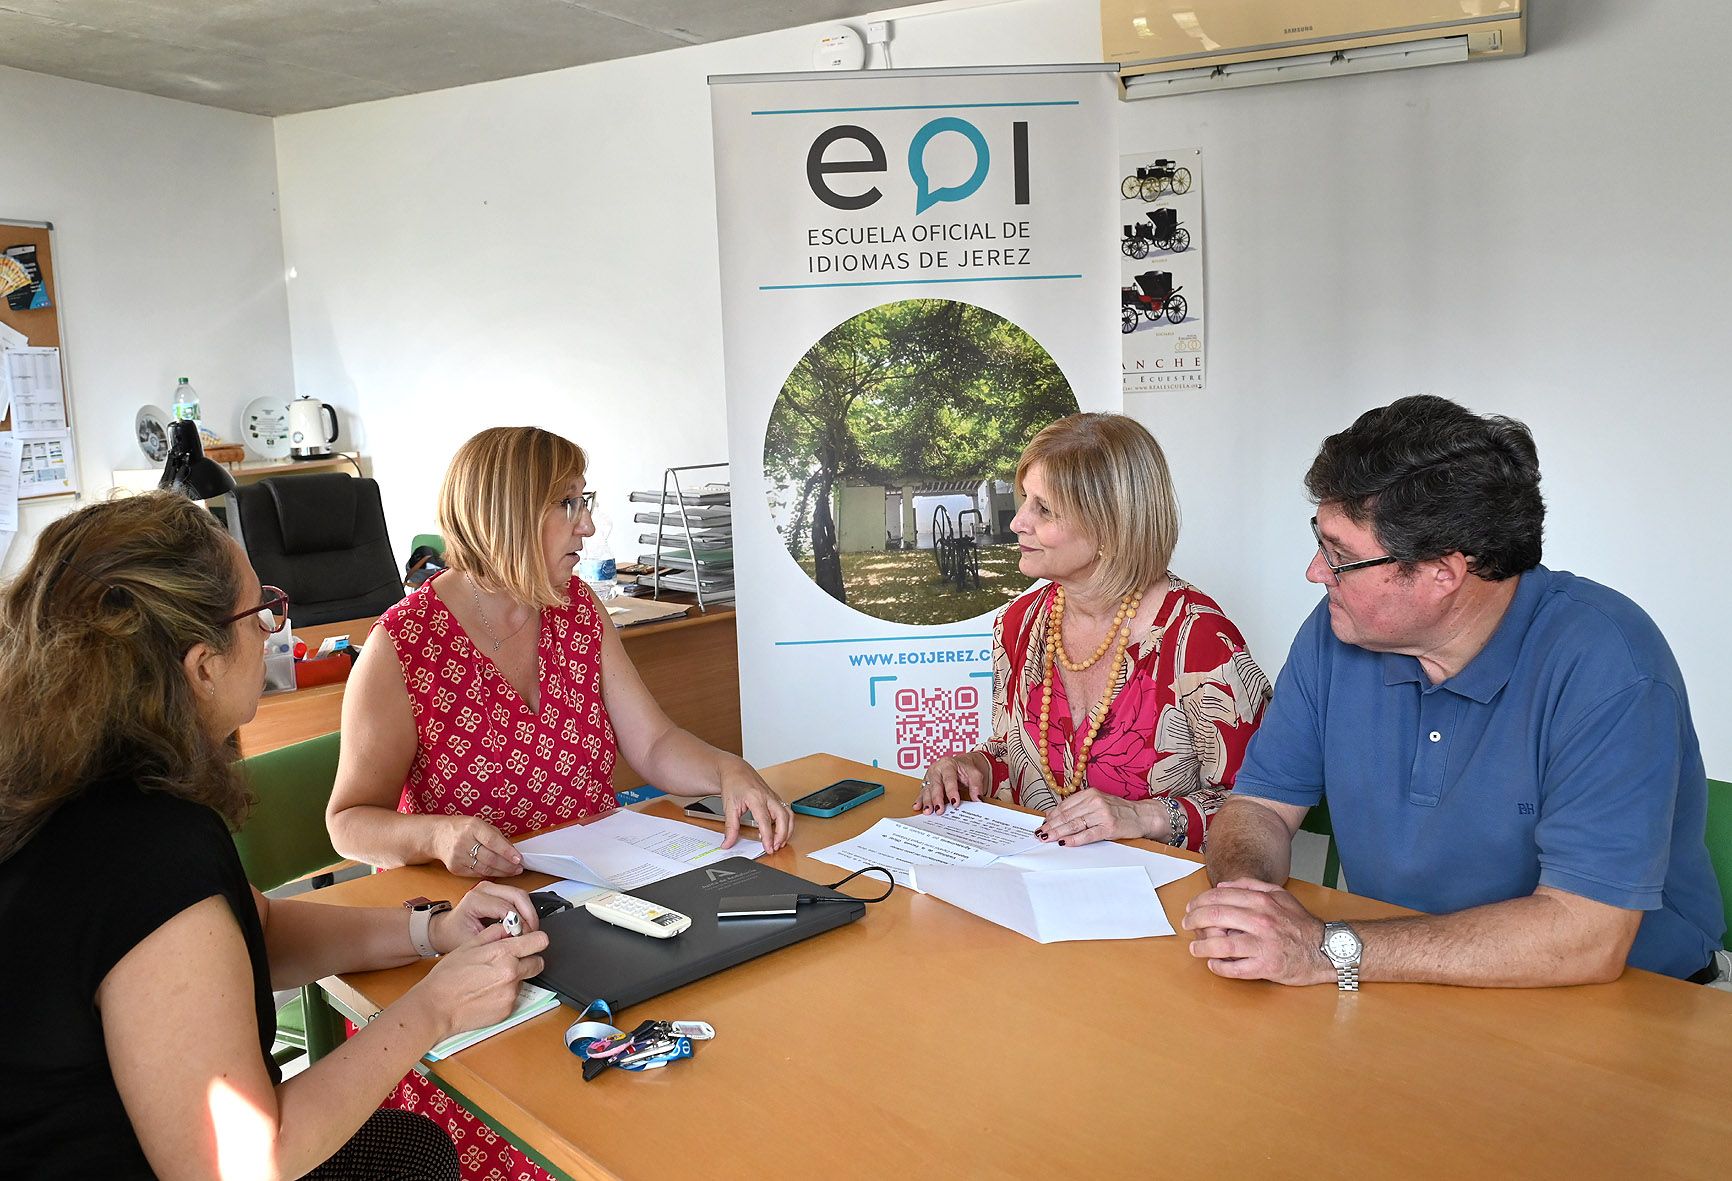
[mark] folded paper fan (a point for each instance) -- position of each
(13, 276)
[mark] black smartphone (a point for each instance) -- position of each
(837, 798)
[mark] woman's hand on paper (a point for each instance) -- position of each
(1089, 815)
(470, 847)
(476, 985)
(743, 790)
(948, 778)
(487, 902)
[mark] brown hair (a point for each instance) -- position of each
(499, 487)
(1107, 473)
(93, 632)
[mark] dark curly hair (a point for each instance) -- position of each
(1434, 478)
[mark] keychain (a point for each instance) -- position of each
(651, 1046)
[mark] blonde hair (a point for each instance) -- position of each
(93, 632)
(500, 486)
(1108, 475)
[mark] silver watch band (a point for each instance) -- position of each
(420, 925)
(1347, 977)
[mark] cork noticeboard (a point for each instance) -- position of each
(49, 467)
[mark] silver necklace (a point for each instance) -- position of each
(482, 612)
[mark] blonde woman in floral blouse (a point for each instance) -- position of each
(1123, 696)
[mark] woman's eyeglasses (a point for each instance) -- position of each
(272, 615)
(572, 505)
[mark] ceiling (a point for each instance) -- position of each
(278, 57)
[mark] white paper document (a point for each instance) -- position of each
(984, 859)
(38, 405)
(899, 846)
(987, 827)
(628, 849)
(1161, 868)
(9, 455)
(1055, 905)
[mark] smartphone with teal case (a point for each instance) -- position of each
(837, 798)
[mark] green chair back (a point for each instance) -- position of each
(284, 840)
(1720, 844)
(1317, 821)
(285, 837)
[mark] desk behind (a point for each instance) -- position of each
(924, 1042)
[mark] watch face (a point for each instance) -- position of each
(1341, 945)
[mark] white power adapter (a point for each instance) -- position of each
(878, 33)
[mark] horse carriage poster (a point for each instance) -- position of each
(916, 271)
(1161, 261)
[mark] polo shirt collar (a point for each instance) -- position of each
(1487, 673)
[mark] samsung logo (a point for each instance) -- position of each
(1299, 29)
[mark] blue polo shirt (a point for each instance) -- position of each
(1563, 755)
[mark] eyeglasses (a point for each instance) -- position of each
(571, 503)
(272, 615)
(1344, 567)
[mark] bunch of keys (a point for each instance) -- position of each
(650, 1046)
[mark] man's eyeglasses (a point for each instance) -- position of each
(272, 615)
(571, 505)
(1344, 567)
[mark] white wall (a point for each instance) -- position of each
(1537, 237)
(168, 259)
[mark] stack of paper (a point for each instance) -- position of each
(628, 849)
(987, 861)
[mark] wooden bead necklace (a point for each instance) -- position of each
(1127, 608)
(1121, 632)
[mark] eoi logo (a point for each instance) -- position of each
(819, 166)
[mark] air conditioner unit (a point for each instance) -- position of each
(1185, 46)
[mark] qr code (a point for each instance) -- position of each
(932, 723)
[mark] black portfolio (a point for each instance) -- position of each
(588, 960)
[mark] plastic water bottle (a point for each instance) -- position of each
(596, 565)
(185, 402)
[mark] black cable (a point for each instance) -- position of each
(889, 890)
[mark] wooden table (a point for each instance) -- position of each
(690, 665)
(922, 1042)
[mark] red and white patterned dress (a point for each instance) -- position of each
(1189, 698)
(481, 751)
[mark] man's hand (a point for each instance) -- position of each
(1251, 930)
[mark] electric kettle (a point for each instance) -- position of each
(309, 437)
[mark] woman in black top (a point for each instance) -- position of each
(136, 999)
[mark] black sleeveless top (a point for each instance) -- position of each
(108, 868)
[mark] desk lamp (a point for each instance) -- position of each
(188, 471)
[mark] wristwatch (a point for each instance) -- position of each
(1341, 947)
(421, 912)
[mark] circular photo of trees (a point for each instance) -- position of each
(890, 456)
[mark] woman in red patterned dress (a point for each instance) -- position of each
(1122, 696)
(494, 701)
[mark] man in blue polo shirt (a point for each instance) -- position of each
(1502, 746)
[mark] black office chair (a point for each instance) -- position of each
(322, 538)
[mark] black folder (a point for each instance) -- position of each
(588, 960)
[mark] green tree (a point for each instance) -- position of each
(925, 389)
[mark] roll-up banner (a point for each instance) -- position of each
(919, 271)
